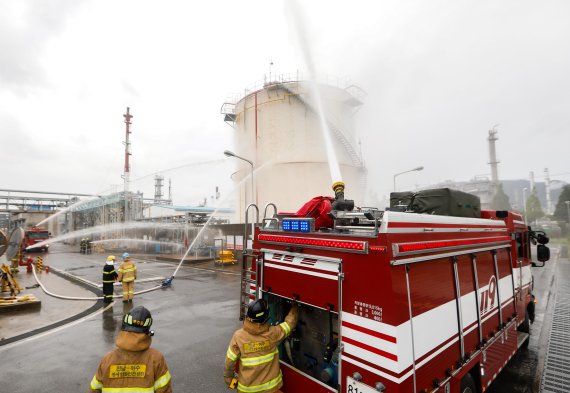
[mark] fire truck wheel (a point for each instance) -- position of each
(468, 384)
(525, 326)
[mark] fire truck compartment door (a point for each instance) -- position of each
(310, 279)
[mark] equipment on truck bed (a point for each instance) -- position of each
(440, 201)
(432, 296)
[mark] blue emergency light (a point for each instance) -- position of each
(303, 225)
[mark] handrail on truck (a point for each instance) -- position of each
(247, 224)
(265, 211)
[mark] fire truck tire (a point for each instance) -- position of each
(468, 384)
(525, 326)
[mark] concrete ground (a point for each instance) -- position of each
(58, 346)
(193, 322)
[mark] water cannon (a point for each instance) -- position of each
(340, 203)
(167, 282)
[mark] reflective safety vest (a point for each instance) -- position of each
(255, 348)
(138, 371)
(127, 271)
(109, 274)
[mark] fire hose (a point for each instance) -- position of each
(165, 283)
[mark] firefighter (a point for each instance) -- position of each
(255, 347)
(127, 276)
(133, 365)
(109, 278)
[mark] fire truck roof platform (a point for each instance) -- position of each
(61, 343)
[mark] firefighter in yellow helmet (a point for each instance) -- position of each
(127, 276)
(109, 278)
(255, 348)
(133, 366)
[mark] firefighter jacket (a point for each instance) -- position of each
(255, 347)
(109, 273)
(127, 271)
(132, 367)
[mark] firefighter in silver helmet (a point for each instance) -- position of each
(255, 348)
(133, 365)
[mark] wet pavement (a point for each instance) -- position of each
(193, 320)
(58, 346)
(524, 371)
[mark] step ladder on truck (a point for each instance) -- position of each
(435, 297)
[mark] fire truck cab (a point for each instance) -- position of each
(33, 236)
(398, 300)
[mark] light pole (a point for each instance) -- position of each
(232, 154)
(420, 168)
(524, 203)
(568, 209)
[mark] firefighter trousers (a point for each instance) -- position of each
(128, 290)
(108, 292)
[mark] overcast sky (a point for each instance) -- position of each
(438, 76)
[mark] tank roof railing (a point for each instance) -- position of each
(293, 77)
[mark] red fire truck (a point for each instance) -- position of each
(431, 295)
(33, 236)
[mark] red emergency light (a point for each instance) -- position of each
(431, 246)
(346, 245)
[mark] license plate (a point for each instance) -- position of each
(353, 386)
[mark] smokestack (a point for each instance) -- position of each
(493, 156)
(549, 209)
(531, 177)
(128, 153)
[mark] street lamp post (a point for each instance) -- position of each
(524, 203)
(228, 153)
(232, 154)
(420, 168)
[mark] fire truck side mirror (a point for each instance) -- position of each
(542, 238)
(542, 253)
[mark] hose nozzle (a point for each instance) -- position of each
(338, 188)
(340, 203)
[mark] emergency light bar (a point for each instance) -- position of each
(344, 245)
(303, 225)
(416, 248)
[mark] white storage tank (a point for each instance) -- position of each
(277, 127)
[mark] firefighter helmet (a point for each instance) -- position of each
(138, 320)
(111, 258)
(258, 311)
(125, 255)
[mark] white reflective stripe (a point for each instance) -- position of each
(285, 326)
(231, 355)
(259, 388)
(128, 390)
(302, 271)
(162, 381)
(256, 361)
(95, 384)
